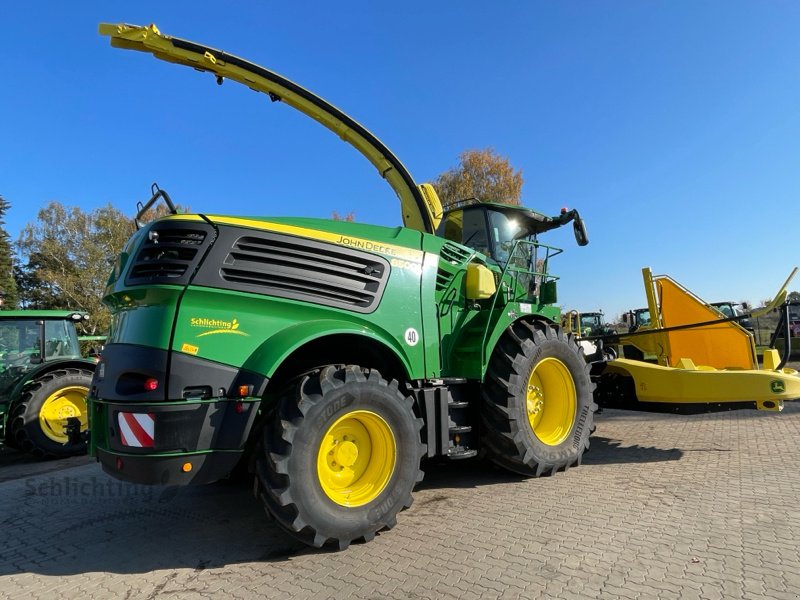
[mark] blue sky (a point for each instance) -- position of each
(674, 127)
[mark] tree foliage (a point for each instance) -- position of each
(349, 217)
(67, 255)
(8, 286)
(481, 174)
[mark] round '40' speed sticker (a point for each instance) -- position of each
(411, 336)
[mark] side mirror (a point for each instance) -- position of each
(580, 231)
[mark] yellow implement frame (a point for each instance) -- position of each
(722, 345)
(701, 361)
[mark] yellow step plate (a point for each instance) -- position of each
(691, 384)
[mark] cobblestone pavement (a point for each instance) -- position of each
(663, 507)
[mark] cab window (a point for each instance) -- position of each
(61, 341)
(467, 227)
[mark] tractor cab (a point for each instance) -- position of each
(507, 235)
(593, 323)
(636, 318)
(29, 339)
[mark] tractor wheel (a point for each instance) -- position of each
(537, 408)
(340, 456)
(39, 418)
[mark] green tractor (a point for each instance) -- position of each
(332, 357)
(43, 382)
(636, 318)
(593, 323)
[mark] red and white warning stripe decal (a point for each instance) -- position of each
(136, 429)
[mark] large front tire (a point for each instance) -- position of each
(39, 418)
(339, 457)
(538, 405)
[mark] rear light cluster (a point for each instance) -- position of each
(134, 384)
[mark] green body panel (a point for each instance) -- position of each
(142, 315)
(258, 332)
(429, 307)
(267, 330)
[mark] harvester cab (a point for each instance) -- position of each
(506, 235)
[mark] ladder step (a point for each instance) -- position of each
(460, 428)
(460, 453)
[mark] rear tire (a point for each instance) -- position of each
(339, 457)
(40, 415)
(537, 408)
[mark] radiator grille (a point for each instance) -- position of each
(288, 267)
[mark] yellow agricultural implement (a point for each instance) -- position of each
(703, 362)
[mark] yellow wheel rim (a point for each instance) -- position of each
(356, 458)
(58, 407)
(551, 401)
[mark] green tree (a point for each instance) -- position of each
(481, 174)
(8, 286)
(67, 255)
(34, 293)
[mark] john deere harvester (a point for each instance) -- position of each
(330, 357)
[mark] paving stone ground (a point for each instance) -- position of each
(664, 507)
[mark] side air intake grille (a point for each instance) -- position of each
(454, 254)
(306, 270)
(170, 253)
(451, 260)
